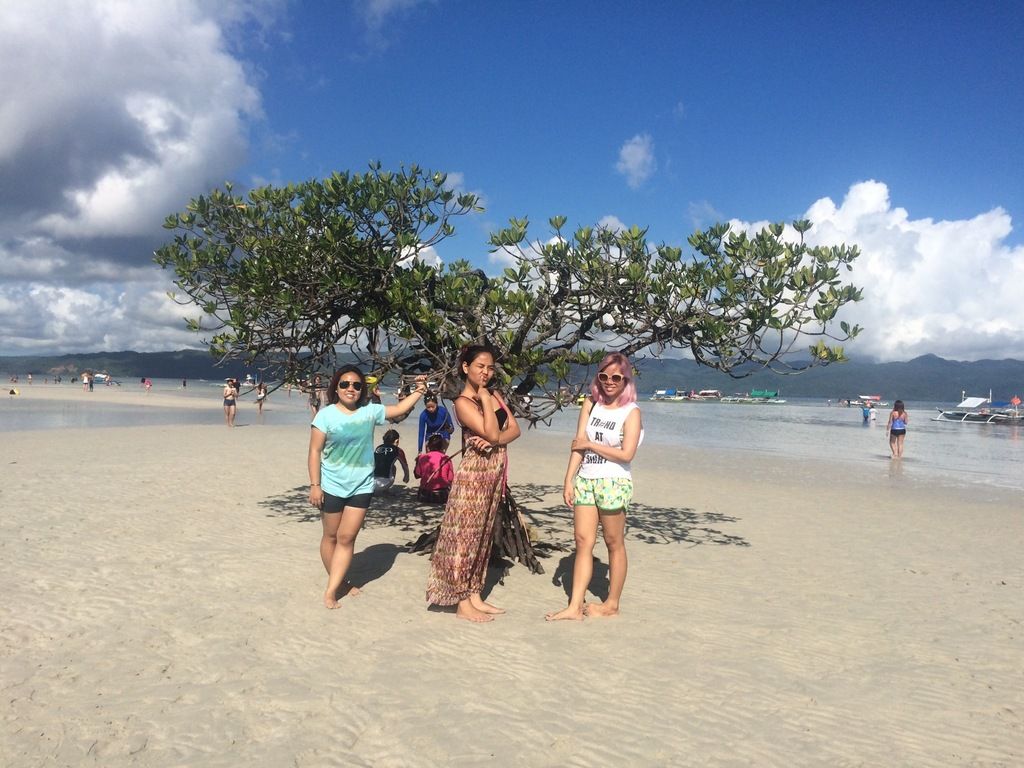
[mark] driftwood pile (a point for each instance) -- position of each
(511, 539)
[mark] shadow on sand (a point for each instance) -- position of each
(546, 513)
(399, 508)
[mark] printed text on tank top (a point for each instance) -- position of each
(606, 426)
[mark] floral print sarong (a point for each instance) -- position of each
(458, 566)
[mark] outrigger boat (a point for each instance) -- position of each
(981, 410)
(672, 395)
(756, 396)
(875, 400)
(706, 394)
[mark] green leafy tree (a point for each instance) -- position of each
(291, 277)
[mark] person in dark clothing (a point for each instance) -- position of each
(385, 456)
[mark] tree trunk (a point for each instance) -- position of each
(511, 538)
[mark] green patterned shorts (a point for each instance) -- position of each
(608, 494)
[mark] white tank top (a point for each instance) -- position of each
(605, 426)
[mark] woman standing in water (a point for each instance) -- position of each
(599, 484)
(261, 397)
(341, 468)
(897, 429)
(230, 404)
(459, 564)
(315, 390)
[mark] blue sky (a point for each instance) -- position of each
(898, 128)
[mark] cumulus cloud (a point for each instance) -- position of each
(636, 160)
(427, 255)
(112, 115)
(610, 222)
(950, 288)
(53, 319)
(455, 181)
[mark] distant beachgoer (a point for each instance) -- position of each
(897, 429)
(92, 379)
(148, 384)
(341, 468)
(385, 456)
(599, 482)
(373, 383)
(261, 396)
(315, 390)
(434, 420)
(435, 471)
(184, 383)
(230, 407)
(459, 565)
(865, 412)
(30, 379)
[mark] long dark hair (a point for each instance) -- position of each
(471, 353)
(899, 407)
(332, 393)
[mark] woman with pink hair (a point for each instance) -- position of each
(599, 484)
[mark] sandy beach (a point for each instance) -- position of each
(162, 607)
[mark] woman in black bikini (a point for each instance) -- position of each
(229, 402)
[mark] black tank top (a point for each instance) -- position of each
(499, 413)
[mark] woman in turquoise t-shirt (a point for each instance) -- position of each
(341, 468)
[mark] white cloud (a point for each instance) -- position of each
(380, 18)
(703, 214)
(613, 223)
(455, 180)
(377, 12)
(47, 319)
(427, 255)
(131, 107)
(636, 160)
(113, 114)
(950, 288)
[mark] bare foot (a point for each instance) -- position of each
(330, 602)
(469, 613)
(599, 610)
(484, 607)
(566, 614)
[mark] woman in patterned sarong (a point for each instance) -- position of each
(459, 563)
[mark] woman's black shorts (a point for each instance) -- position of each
(334, 504)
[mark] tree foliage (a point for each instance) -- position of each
(292, 277)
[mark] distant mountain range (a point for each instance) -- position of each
(927, 377)
(183, 364)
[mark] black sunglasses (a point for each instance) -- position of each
(356, 385)
(614, 378)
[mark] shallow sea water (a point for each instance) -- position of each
(961, 455)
